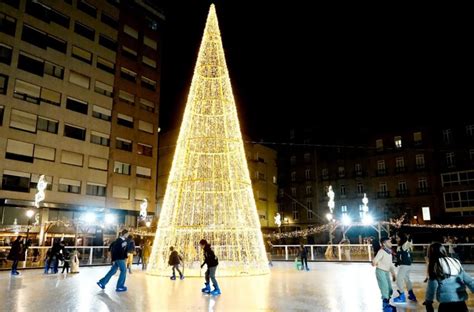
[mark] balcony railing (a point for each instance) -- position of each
(381, 172)
(402, 193)
(423, 190)
(384, 194)
(400, 169)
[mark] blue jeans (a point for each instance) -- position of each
(211, 275)
(117, 264)
(14, 266)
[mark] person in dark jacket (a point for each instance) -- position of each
(212, 262)
(56, 255)
(174, 260)
(130, 253)
(15, 254)
(118, 250)
(303, 254)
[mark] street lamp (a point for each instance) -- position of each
(148, 224)
(29, 214)
(329, 215)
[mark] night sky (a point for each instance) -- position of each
(332, 67)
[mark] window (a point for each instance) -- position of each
(383, 190)
(108, 20)
(107, 42)
(122, 168)
(50, 97)
(447, 136)
(87, 8)
(325, 173)
(69, 186)
(360, 188)
(450, 159)
(3, 84)
(358, 169)
(309, 205)
(422, 184)
(96, 189)
(127, 97)
(130, 31)
(56, 43)
(85, 31)
(151, 23)
(293, 176)
(463, 199)
(417, 137)
(120, 192)
(77, 105)
(34, 36)
(35, 178)
(143, 172)
(16, 181)
(20, 151)
(101, 113)
(402, 188)
(123, 144)
(343, 190)
(400, 162)
(31, 64)
(79, 79)
(127, 74)
(125, 120)
(5, 54)
(47, 125)
(46, 14)
(293, 191)
(105, 65)
(100, 138)
(150, 42)
(129, 52)
(420, 161)
(147, 105)
(7, 24)
(470, 130)
(145, 150)
(307, 174)
(103, 88)
(381, 167)
(260, 176)
(344, 209)
(2, 111)
(309, 190)
(296, 214)
(81, 54)
(74, 132)
(53, 70)
(23, 121)
(398, 141)
(145, 126)
(44, 153)
(71, 158)
(307, 157)
(341, 171)
(293, 159)
(148, 61)
(379, 144)
(274, 180)
(27, 91)
(148, 83)
(98, 163)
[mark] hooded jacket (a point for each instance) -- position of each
(452, 288)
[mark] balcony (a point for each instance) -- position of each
(423, 190)
(359, 174)
(381, 172)
(420, 167)
(402, 193)
(325, 177)
(400, 169)
(384, 194)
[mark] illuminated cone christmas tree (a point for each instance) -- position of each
(209, 193)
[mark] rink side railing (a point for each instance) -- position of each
(99, 255)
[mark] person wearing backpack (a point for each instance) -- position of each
(447, 280)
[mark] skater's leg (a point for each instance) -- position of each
(206, 276)
(174, 270)
(123, 273)
(212, 274)
(407, 278)
(383, 283)
(179, 271)
(112, 271)
(14, 266)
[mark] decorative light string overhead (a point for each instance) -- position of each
(209, 193)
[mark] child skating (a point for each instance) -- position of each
(404, 260)
(212, 262)
(174, 260)
(384, 266)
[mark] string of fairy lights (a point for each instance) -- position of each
(209, 192)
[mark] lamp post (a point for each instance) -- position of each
(29, 214)
(329, 216)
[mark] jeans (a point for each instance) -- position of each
(14, 266)
(117, 264)
(403, 277)
(176, 267)
(385, 283)
(304, 263)
(211, 273)
(55, 264)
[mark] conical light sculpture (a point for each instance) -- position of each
(209, 193)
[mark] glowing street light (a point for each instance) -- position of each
(346, 220)
(29, 214)
(367, 219)
(148, 224)
(110, 218)
(89, 217)
(329, 216)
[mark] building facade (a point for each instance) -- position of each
(79, 102)
(262, 165)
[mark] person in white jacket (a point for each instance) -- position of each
(75, 262)
(404, 260)
(383, 262)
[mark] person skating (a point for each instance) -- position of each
(15, 254)
(447, 280)
(174, 260)
(269, 247)
(118, 251)
(405, 246)
(303, 254)
(67, 260)
(212, 262)
(384, 266)
(146, 254)
(75, 262)
(130, 253)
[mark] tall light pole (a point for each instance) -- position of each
(29, 214)
(39, 197)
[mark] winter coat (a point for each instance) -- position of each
(130, 246)
(174, 259)
(209, 257)
(453, 287)
(118, 249)
(74, 263)
(16, 251)
(303, 253)
(404, 254)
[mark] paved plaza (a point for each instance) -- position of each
(328, 287)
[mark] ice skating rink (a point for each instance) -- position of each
(328, 287)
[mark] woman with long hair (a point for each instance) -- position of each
(404, 261)
(448, 280)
